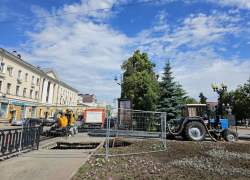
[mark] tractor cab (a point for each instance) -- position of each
(195, 110)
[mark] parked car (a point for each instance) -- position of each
(18, 122)
(112, 122)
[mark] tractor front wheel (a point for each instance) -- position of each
(195, 131)
(230, 136)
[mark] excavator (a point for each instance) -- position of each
(64, 123)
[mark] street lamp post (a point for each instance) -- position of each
(120, 81)
(215, 87)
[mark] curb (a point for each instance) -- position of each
(244, 138)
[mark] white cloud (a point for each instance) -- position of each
(248, 42)
(236, 45)
(241, 4)
(79, 46)
(222, 49)
(234, 11)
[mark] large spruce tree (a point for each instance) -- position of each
(171, 96)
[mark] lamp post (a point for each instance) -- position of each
(120, 81)
(215, 87)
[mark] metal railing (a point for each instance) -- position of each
(11, 139)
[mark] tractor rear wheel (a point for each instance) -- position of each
(230, 136)
(195, 131)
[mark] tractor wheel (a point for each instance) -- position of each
(195, 131)
(230, 136)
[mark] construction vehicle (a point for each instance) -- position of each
(195, 124)
(94, 118)
(64, 124)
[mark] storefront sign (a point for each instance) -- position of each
(17, 103)
(4, 101)
(20, 104)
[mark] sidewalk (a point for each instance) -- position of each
(244, 133)
(48, 166)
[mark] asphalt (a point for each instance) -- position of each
(47, 163)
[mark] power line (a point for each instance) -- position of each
(58, 15)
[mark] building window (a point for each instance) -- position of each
(33, 80)
(36, 95)
(19, 74)
(31, 93)
(33, 112)
(4, 110)
(24, 92)
(22, 112)
(37, 82)
(41, 111)
(2, 67)
(61, 90)
(8, 88)
(11, 71)
(17, 90)
(26, 77)
(52, 113)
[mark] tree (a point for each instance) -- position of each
(203, 99)
(191, 101)
(140, 81)
(239, 100)
(171, 96)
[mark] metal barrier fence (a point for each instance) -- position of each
(105, 131)
(16, 140)
(135, 132)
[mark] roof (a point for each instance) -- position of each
(86, 97)
(196, 105)
(46, 69)
(212, 103)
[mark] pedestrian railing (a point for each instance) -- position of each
(13, 140)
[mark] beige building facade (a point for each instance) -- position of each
(26, 90)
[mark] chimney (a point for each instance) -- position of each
(38, 67)
(19, 56)
(14, 53)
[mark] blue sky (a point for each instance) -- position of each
(207, 41)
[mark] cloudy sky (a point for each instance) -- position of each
(86, 41)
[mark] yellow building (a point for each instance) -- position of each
(29, 91)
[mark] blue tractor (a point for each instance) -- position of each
(195, 124)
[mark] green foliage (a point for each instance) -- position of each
(82, 169)
(239, 100)
(203, 99)
(140, 81)
(191, 101)
(171, 96)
